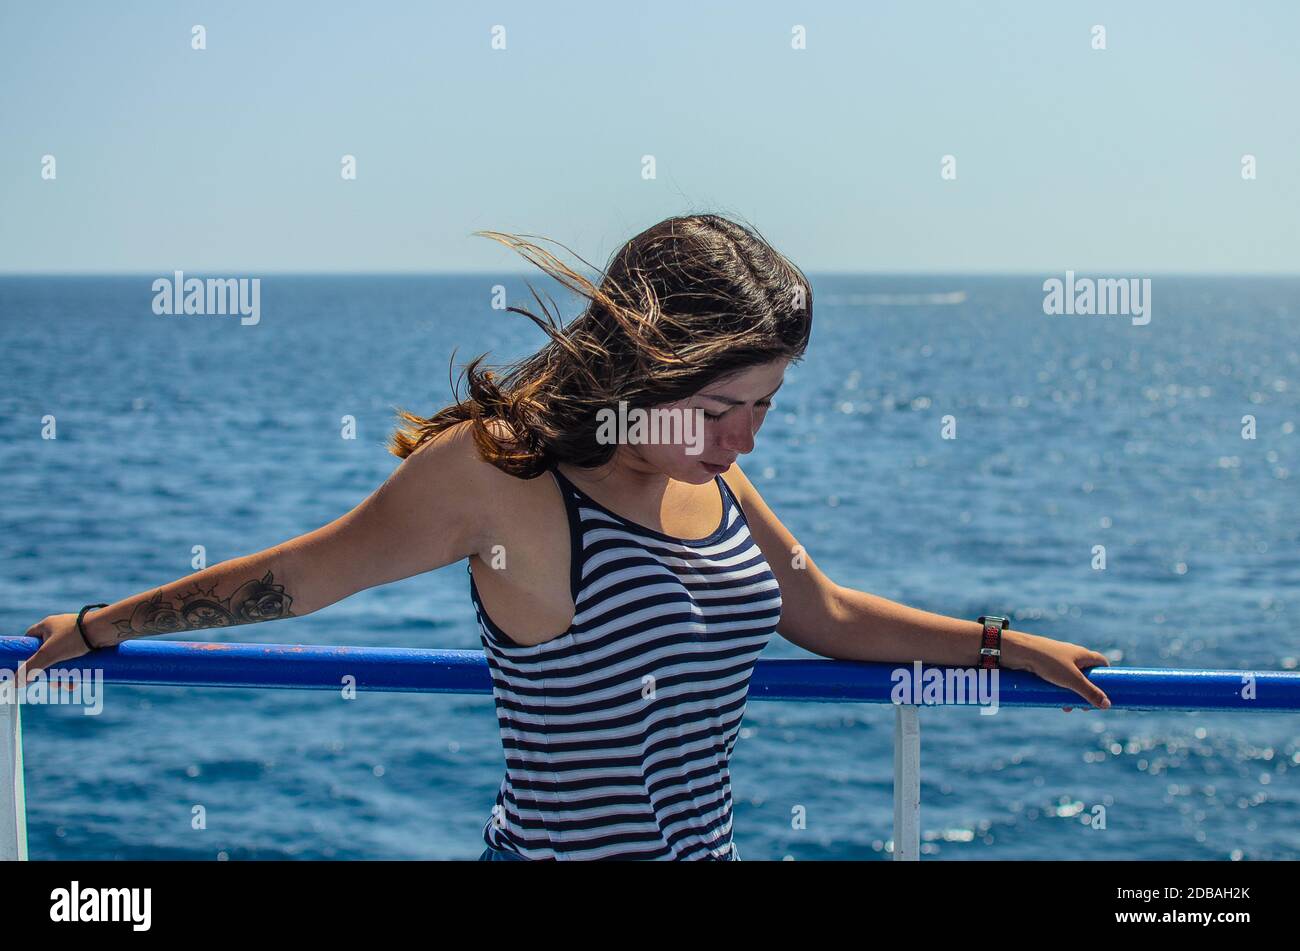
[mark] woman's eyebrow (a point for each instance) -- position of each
(730, 402)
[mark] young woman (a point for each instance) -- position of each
(624, 585)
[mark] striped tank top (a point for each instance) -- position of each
(618, 733)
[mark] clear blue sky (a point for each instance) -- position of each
(228, 160)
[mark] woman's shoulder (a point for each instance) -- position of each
(526, 516)
(444, 502)
(496, 502)
(493, 486)
(458, 446)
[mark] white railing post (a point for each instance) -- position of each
(907, 783)
(13, 811)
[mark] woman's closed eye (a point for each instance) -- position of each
(765, 404)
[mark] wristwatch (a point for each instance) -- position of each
(991, 643)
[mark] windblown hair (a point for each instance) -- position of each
(691, 301)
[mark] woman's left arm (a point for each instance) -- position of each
(845, 624)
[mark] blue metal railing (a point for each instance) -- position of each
(403, 670)
(392, 669)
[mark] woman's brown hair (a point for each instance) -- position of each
(688, 302)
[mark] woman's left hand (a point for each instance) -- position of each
(1063, 664)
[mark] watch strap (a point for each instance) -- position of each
(991, 640)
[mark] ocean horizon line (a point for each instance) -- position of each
(1107, 272)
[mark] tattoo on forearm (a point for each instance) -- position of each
(256, 600)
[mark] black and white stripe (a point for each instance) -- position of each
(617, 734)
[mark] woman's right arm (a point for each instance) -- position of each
(432, 511)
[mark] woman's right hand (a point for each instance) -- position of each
(60, 641)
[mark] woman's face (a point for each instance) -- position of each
(717, 424)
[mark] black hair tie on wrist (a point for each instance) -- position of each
(81, 630)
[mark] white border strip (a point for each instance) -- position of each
(907, 784)
(13, 806)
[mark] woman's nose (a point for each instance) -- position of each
(739, 437)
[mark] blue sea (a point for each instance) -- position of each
(1072, 432)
